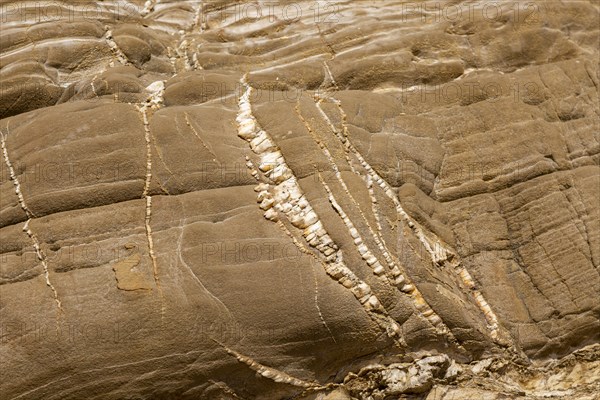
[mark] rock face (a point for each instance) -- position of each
(320, 200)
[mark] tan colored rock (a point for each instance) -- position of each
(327, 201)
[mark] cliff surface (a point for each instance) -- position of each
(367, 199)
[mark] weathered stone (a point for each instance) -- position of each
(343, 200)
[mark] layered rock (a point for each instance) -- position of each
(358, 199)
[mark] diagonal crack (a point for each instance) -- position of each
(118, 54)
(42, 257)
(286, 197)
(195, 132)
(317, 305)
(36, 244)
(268, 372)
(194, 276)
(13, 175)
(439, 252)
(395, 275)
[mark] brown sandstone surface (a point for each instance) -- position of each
(312, 200)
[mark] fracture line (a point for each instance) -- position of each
(195, 132)
(42, 257)
(439, 253)
(153, 101)
(268, 372)
(287, 198)
(394, 276)
(115, 49)
(317, 305)
(13, 176)
(36, 244)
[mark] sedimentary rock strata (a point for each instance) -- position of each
(318, 200)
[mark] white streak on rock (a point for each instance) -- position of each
(439, 252)
(148, 7)
(36, 244)
(115, 49)
(289, 200)
(13, 176)
(154, 101)
(268, 372)
(42, 258)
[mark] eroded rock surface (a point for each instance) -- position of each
(366, 199)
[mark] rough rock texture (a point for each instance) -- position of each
(321, 200)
